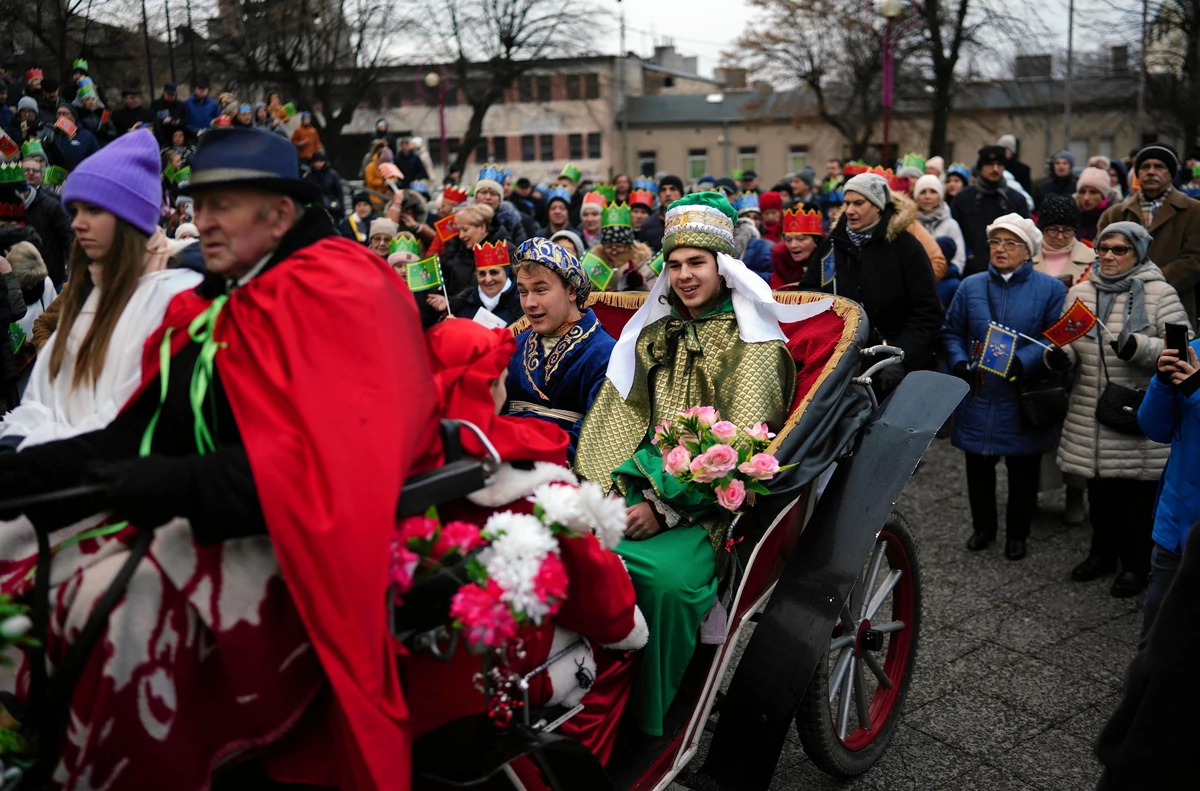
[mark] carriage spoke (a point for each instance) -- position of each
(860, 696)
(873, 574)
(839, 672)
(841, 642)
(885, 590)
(873, 662)
(890, 626)
(843, 717)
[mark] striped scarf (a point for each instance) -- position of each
(1150, 207)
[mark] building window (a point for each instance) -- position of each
(797, 158)
(525, 89)
(574, 87)
(527, 148)
(499, 149)
(481, 150)
(591, 86)
(697, 163)
(647, 163)
(575, 146)
(747, 158)
(546, 144)
(543, 88)
(1105, 148)
(1079, 147)
(593, 151)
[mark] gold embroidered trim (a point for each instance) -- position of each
(572, 338)
(532, 363)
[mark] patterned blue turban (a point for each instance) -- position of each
(548, 254)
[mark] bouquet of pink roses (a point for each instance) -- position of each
(722, 461)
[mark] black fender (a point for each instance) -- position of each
(793, 632)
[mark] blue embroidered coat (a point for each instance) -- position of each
(566, 380)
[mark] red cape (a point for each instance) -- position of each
(326, 372)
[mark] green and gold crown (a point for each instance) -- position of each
(617, 215)
(12, 173)
(607, 190)
(405, 244)
(33, 148)
(913, 160)
(572, 173)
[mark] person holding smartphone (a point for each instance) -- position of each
(1171, 413)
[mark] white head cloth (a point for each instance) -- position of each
(758, 316)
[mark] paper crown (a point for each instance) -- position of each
(405, 244)
(855, 168)
(745, 202)
(607, 190)
(454, 195)
(223, 120)
(913, 160)
(505, 175)
(559, 193)
(617, 215)
(490, 172)
(835, 197)
(799, 221)
(12, 173)
(86, 91)
(79, 65)
(640, 197)
(34, 74)
(961, 169)
(645, 183)
(571, 173)
(489, 255)
(594, 199)
(33, 148)
(55, 175)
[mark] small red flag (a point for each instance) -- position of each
(1074, 324)
(8, 146)
(64, 124)
(447, 228)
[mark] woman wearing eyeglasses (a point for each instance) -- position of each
(1134, 301)
(988, 423)
(1062, 256)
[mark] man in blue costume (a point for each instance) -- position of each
(562, 357)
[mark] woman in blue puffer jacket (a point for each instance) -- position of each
(1170, 413)
(987, 424)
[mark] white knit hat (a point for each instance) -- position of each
(1024, 228)
(929, 182)
(187, 229)
(937, 163)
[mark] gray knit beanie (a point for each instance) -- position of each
(871, 186)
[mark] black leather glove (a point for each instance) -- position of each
(888, 379)
(1126, 350)
(1057, 360)
(149, 492)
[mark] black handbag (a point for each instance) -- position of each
(1042, 400)
(1117, 407)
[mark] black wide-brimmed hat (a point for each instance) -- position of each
(253, 158)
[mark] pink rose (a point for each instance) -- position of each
(660, 431)
(760, 433)
(689, 412)
(677, 461)
(732, 496)
(760, 467)
(707, 415)
(714, 463)
(724, 431)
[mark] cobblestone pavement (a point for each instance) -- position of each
(1018, 666)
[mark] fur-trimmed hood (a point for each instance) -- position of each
(904, 214)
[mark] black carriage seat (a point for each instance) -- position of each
(455, 479)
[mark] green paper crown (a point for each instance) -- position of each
(913, 160)
(405, 244)
(12, 173)
(79, 65)
(617, 215)
(33, 148)
(86, 91)
(55, 175)
(607, 190)
(736, 175)
(571, 172)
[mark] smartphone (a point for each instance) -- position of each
(1177, 339)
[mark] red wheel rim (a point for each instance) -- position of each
(895, 664)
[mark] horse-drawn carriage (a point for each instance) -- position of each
(826, 584)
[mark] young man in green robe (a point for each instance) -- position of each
(707, 335)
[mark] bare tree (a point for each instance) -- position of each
(489, 44)
(326, 55)
(826, 48)
(51, 24)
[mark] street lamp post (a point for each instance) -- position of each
(435, 80)
(891, 10)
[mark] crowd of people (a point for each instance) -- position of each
(164, 266)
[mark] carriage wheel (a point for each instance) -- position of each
(853, 702)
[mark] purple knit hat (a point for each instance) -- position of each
(124, 178)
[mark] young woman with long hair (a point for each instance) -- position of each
(117, 291)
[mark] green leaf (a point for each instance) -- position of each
(476, 571)
(756, 487)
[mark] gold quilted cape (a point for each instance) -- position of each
(686, 363)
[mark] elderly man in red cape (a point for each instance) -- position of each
(268, 446)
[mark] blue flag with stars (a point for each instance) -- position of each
(828, 268)
(998, 349)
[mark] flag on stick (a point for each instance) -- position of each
(598, 270)
(1074, 324)
(446, 228)
(999, 348)
(424, 275)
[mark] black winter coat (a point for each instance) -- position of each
(891, 277)
(465, 303)
(975, 211)
(50, 219)
(1021, 173)
(329, 183)
(458, 262)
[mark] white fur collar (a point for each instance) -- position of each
(510, 484)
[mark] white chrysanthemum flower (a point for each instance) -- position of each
(602, 514)
(560, 504)
(514, 558)
(506, 521)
